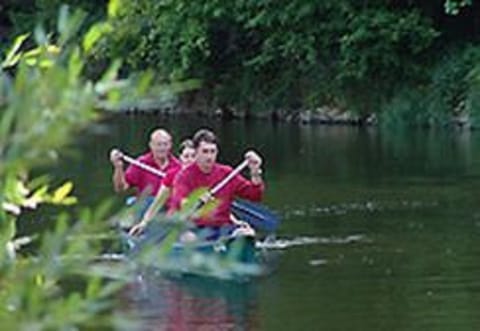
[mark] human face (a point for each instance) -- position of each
(206, 155)
(160, 145)
(187, 156)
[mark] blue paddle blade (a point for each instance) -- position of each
(258, 216)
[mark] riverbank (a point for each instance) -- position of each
(326, 115)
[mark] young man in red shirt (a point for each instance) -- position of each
(159, 157)
(205, 172)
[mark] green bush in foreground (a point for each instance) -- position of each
(44, 103)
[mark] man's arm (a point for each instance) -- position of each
(253, 189)
(119, 182)
(180, 190)
(152, 210)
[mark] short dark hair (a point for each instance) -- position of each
(187, 143)
(204, 135)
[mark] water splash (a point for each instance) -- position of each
(280, 243)
(317, 262)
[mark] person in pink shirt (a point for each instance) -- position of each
(205, 172)
(187, 157)
(159, 157)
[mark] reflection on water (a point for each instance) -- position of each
(190, 303)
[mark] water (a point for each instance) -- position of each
(381, 230)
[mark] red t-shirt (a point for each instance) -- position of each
(191, 178)
(143, 179)
(168, 183)
(170, 176)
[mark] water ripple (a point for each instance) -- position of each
(280, 243)
(348, 207)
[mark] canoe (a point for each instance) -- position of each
(225, 257)
(160, 236)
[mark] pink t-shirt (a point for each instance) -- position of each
(191, 178)
(142, 179)
(168, 183)
(170, 176)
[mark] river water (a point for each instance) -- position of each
(381, 228)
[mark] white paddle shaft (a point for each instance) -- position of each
(230, 176)
(159, 173)
(143, 166)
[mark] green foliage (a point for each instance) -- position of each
(266, 55)
(385, 45)
(32, 291)
(24, 16)
(45, 101)
(450, 94)
(269, 55)
(453, 7)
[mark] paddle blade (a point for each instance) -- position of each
(258, 216)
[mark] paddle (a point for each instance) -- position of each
(161, 232)
(214, 190)
(259, 217)
(142, 165)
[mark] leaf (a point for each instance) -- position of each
(102, 211)
(68, 201)
(207, 208)
(93, 288)
(31, 61)
(75, 65)
(38, 182)
(144, 82)
(41, 192)
(22, 241)
(62, 22)
(12, 55)
(11, 208)
(94, 34)
(10, 231)
(193, 205)
(62, 192)
(40, 35)
(39, 279)
(45, 63)
(32, 53)
(7, 122)
(113, 7)
(72, 23)
(192, 201)
(112, 71)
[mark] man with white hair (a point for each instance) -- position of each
(159, 157)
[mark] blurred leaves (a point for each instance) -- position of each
(44, 102)
(13, 57)
(94, 34)
(453, 7)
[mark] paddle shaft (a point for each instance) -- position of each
(159, 173)
(263, 215)
(232, 174)
(214, 190)
(143, 166)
